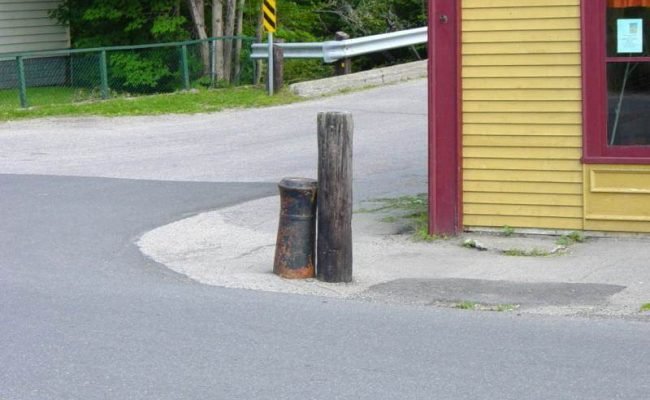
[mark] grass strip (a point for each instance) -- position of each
(193, 102)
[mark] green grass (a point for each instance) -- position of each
(571, 238)
(505, 307)
(45, 95)
(473, 244)
(526, 253)
(645, 307)
(412, 209)
(467, 305)
(201, 101)
(470, 305)
(469, 244)
(507, 231)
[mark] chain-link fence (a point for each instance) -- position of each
(67, 76)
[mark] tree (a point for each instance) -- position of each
(367, 17)
(197, 10)
(239, 32)
(217, 31)
(95, 23)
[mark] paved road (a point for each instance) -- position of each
(390, 143)
(83, 315)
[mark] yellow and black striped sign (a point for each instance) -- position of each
(270, 16)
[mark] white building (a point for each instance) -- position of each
(25, 25)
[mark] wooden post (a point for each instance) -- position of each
(344, 66)
(278, 66)
(334, 249)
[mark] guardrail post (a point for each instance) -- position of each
(270, 64)
(278, 65)
(344, 66)
(185, 69)
(22, 84)
(103, 74)
(334, 248)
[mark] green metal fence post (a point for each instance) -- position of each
(213, 66)
(22, 84)
(185, 67)
(103, 74)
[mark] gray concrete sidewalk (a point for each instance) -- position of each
(234, 248)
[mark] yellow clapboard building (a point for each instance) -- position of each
(553, 111)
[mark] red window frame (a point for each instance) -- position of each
(596, 150)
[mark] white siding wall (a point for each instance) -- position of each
(26, 26)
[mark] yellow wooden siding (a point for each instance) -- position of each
(521, 59)
(522, 114)
(617, 198)
(499, 187)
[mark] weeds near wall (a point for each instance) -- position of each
(413, 210)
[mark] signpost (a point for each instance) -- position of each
(270, 26)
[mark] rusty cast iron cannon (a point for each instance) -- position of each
(294, 250)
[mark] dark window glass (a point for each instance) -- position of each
(629, 103)
(628, 76)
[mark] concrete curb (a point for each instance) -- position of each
(234, 248)
(374, 77)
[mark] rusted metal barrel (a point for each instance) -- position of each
(294, 250)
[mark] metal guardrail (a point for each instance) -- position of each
(331, 51)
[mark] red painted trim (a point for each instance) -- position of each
(627, 59)
(616, 160)
(459, 113)
(596, 150)
(444, 117)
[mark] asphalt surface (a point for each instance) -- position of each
(84, 315)
(492, 292)
(252, 145)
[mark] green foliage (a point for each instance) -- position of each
(411, 209)
(473, 244)
(367, 17)
(95, 23)
(505, 307)
(645, 307)
(299, 21)
(137, 73)
(98, 23)
(467, 305)
(305, 70)
(507, 231)
(470, 305)
(319, 20)
(571, 238)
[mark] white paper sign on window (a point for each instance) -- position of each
(630, 36)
